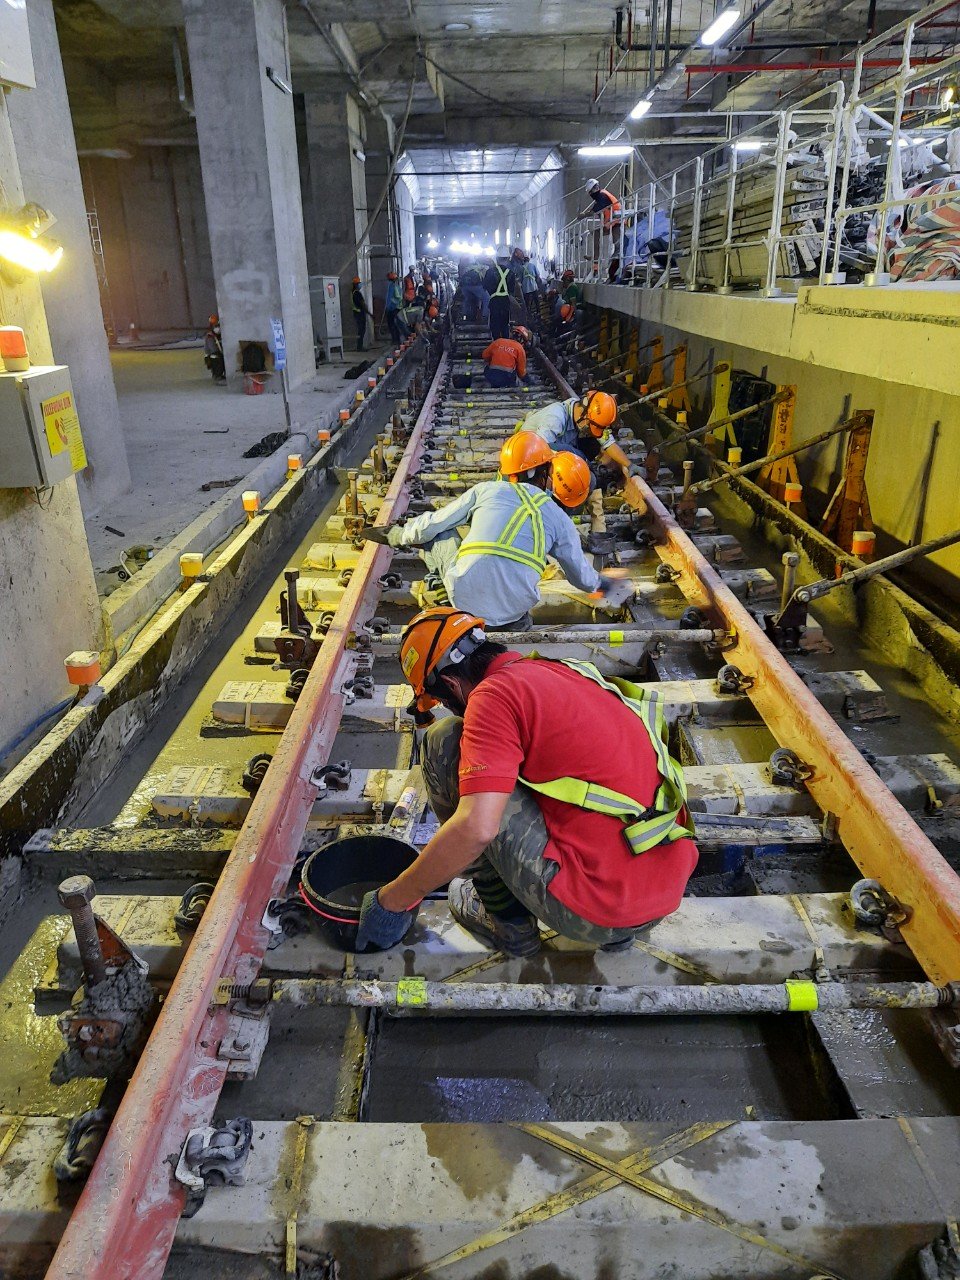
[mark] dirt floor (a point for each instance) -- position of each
(183, 430)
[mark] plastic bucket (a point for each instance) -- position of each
(334, 879)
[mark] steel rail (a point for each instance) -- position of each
(124, 1223)
(875, 829)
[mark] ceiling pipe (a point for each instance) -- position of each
(753, 68)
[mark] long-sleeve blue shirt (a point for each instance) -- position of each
(495, 588)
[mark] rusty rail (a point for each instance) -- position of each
(124, 1223)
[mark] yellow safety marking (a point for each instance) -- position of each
(587, 1189)
(953, 1231)
(412, 991)
(296, 1178)
(16, 1124)
(819, 961)
(681, 1200)
(802, 995)
(615, 637)
(676, 962)
(454, 475)
(491, 961)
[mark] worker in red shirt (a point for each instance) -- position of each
(506, 359)
(558, 798)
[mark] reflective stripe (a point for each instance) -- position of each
(661, 823)
(501, 291)
(529, 509)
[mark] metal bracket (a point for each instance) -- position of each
(730, 679)
(787, 769)
(213, 1157)
(874, 908)
(244, 1043)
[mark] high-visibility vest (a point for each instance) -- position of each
(643, 828)
(501, 289)
(608, 212)
(409, 287)
(528, 510)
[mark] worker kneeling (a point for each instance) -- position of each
(506, 359)
(495, 570)
(558, 797)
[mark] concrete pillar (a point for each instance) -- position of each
(43, 136)
(251, 183)
(50, 604)
(334, 129)
(383, 238)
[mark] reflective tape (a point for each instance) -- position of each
(802, 995)
(412, 991)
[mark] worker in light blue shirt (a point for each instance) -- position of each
(494, 571)
(393, 309)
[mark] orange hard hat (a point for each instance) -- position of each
(391, 275)
(433, 311)
(523, 451)
(567, 311)
(214, 319)
(356, 279)
(571, 478)
(521, 334)
(567, 275)
(436, 639)
(600, 411)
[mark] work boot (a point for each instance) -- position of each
(430, 592)
(622, 944)
(514, 939)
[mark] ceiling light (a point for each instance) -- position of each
(749, 144)
(950, 95)
(722, 23)
(641, 109)
(605, 151)
(456, 26)
(22, 242)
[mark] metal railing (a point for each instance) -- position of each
(811, 193)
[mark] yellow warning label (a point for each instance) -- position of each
(412, 991)
(616, 637)
(62, 428)
(802, 995)
(409, 660)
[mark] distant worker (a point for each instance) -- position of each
(571, 291)
(500, 283)
(476, 301)
(506, 359)
(410, 285)
(565, 324)
(360, 312)
(513, 528)
(581, 425)
(393, 308)
(213, 350)
(606, 204)
(531, 287)
(558, 797)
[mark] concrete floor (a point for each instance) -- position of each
(167, 403)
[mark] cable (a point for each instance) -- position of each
(497, 102)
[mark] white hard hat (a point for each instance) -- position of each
(592, 184)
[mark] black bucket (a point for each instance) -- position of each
(335, 878)
(462, 381)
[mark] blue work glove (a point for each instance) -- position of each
(379, 928)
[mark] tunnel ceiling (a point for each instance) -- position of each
(498, 77)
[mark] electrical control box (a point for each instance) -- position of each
(325, 309)
(40, 438)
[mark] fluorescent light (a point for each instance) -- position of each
(496, 236)
(721, 24)
(749, 144)
(527, 239)
(605, 151)
(456, 26)
(641, 109)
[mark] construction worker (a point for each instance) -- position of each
(581, 424)
(360, 312)
(392, 309)
(500, 283)
(213, 350)
(558, 797)
(531, 286)
(476, 302)
(606, 204)
(506, 359)
(410, 285)
(513, 527)
(570, 290)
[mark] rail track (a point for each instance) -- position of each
(805, 776)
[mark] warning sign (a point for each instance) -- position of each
(62, 426)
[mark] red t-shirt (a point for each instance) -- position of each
(504, 353)
(541, 719)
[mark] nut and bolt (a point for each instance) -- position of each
(76, 894)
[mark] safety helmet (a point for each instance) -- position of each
(567, 275)
(391, 275)
(567, 312)
(521, 334)
(503, 255)
(524, 451)
(600, 411)
(433, 310)
(434, 641)
(214, 319)
(593, 185)
(356, 280)
(570, 478)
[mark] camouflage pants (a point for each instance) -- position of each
(513, 861)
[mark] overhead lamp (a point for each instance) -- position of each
(22, 242)
(950, 96)
(641, 109)
(456, 26)
(722, 23)
(749, 144)
(605, 150)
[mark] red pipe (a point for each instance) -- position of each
(748, 68)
